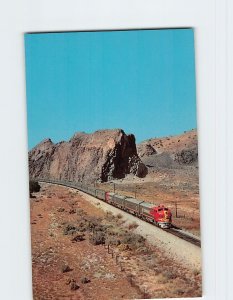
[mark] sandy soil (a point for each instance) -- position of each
(152, 273)
(51, 250)
(182, 199)
(185, 253)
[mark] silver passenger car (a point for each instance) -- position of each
(118, 200)
(145, 208)
(91, 190)
(132, 204)
(100, 194)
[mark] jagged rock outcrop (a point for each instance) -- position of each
(145, 150)
(103, 155)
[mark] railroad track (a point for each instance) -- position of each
(174, 230)
(185, 236)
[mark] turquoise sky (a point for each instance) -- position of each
(142, 81)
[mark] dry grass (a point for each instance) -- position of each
(119, 216)
(181, 193)
(133, 225)
(139, 261)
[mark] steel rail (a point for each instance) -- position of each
(174, 230)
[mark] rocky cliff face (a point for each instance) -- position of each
(102, 155)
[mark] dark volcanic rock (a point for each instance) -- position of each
(187, 157)
(102, 155)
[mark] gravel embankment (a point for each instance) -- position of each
(181, 250)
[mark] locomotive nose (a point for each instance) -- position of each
(166, 215)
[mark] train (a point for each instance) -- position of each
(159, 215)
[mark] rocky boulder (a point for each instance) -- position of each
(103, 155)
(187, 156)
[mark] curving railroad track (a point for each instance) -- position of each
(184, 235)
(174, 230)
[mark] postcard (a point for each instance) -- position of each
(113, 164)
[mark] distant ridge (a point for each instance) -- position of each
(170, 152)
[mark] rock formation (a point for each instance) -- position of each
(170, 152)
(145, 150)
(103, 155)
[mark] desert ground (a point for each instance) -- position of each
(182, 196)
(71, 258)
(159, 170)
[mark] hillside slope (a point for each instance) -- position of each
(173, 152)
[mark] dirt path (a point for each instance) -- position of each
(186, 253)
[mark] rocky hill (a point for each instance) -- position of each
(170, 152)
(102, 155)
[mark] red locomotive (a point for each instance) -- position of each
(159, 215)
(162, 216)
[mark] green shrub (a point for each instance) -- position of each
(65, 268)
(70, 229)
(85, 280)
(74, 286)
(98, 238)
(133, 225)
(169, 275)
(34, 187)
(119, 216)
